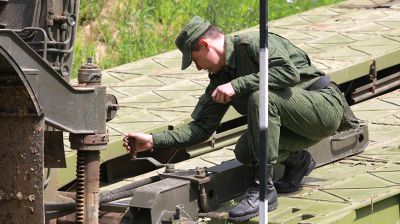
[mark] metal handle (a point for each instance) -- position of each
(348, 136)
(153, 161)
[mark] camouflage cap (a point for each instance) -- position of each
(190, 32)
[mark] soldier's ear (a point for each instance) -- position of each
(204, 43)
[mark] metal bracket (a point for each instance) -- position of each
(88, 142)
(112, 107)
(96, 139)
(198, 176)
(373, 76)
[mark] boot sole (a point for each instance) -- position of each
(271, 207)
(243, 218)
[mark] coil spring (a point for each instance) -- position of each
(80, 186)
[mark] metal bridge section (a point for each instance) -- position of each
(357, 43)
(347, 41)
(350, 40)
(153, 94)
(363, 188)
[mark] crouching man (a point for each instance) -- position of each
(304, 107)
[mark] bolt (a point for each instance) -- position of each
(89, 60)
(64, 26)
(178, 210)
(18, 109)
(200, 172)
(170, 168)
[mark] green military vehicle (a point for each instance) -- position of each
(51, 123)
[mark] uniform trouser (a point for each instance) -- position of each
(297, 119)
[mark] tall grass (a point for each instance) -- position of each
(134, 29)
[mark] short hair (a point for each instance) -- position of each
(212, 32)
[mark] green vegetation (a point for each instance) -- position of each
(118, 32)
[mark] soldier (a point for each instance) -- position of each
(303, 107)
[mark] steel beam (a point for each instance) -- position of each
(59, 100)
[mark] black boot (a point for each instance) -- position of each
(248, 207)
(297, 166)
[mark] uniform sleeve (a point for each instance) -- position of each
(207, 116)
(281, 70)
(251, 82)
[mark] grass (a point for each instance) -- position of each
(128, 30)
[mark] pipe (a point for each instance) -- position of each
(57, 214)
(66, 206)
(44, 36)
(50, 4)
(36, 15)
(382, 85)
(203, 199)
(130, 186)
(263, 209)
(48, 177)
(222, 139)
(104, 197)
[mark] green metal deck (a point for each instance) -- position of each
(343, 40)
(360, 189)
(364, 188)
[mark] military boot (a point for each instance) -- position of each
(297, 165)
(248, 207)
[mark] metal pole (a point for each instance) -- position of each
(263, 209)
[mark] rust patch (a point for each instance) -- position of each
(15, 101)
(21, 150)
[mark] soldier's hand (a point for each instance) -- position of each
(223, 93)
(137, 142)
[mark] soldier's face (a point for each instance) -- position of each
(207, 58)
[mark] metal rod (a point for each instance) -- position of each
(382, 85)
(108, 196)
(92, 182)
(263, 209)
(45, 40)
(222, 140)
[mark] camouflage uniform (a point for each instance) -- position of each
(298, 118)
